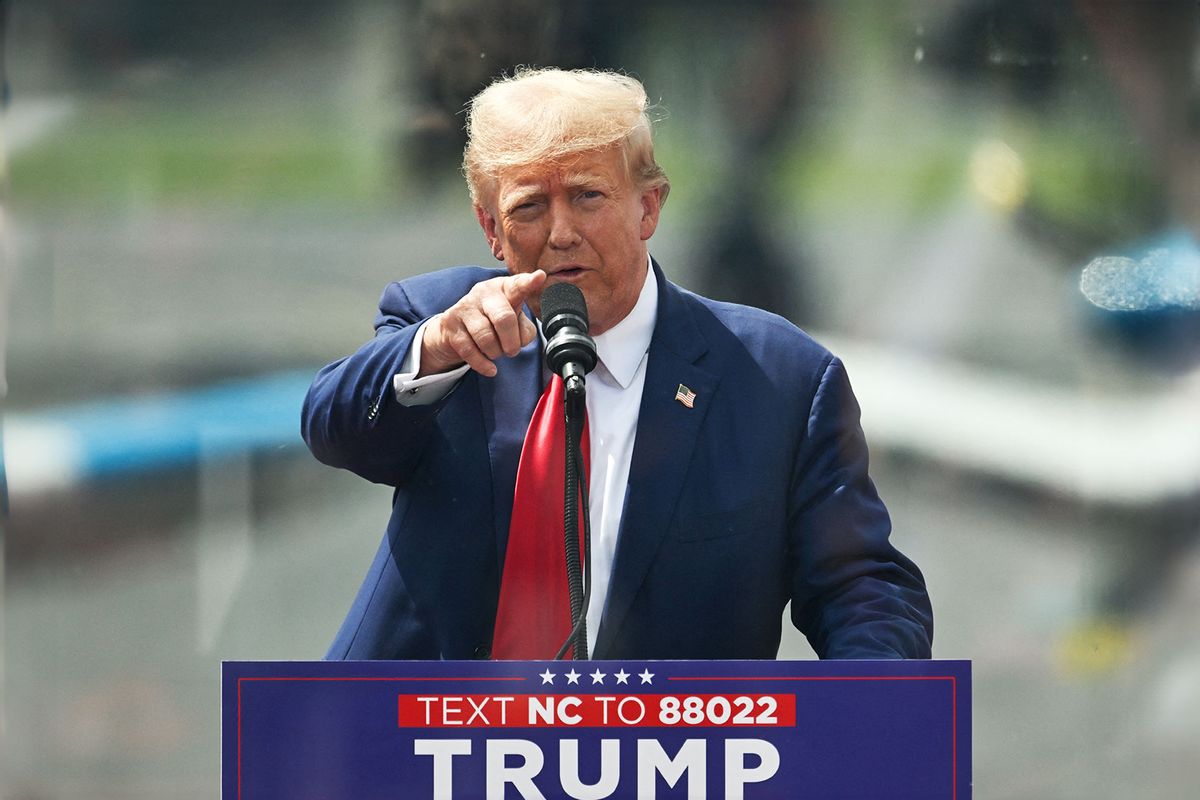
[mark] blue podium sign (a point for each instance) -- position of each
(596, 729)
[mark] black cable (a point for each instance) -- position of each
(587, 550)
(576, 488)
(571, 434)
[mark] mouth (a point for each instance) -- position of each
(567, 272)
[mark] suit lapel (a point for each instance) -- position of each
(507, 401)
(666, 436)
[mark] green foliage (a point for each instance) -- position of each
(105, 156)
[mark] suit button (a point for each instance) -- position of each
(483, 652)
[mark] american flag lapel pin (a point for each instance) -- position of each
(686, 396)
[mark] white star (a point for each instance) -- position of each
(547, 677)
(646, 675)
(572, 676)
(598, 676)
(622, 676)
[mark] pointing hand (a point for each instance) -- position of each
(485, 324)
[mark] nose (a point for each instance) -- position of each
(564, 229)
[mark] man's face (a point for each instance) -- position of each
(583, 221)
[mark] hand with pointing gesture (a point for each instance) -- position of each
(485, 324)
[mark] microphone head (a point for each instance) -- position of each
(569, 349)
(563, 304)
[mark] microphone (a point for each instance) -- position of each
(570, 352)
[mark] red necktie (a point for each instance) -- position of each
(534, 615)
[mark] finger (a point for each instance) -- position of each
(483, 333)
(528, 330)
(518, 288)
(464, 345)
(504, 322)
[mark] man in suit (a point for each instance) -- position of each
(728, 468)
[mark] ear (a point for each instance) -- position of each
(491, 232)
(651, 206)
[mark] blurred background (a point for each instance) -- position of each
(989, 209)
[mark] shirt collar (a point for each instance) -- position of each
(622, 346)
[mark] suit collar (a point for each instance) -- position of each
(676, 329)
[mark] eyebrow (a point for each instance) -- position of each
(576, 179)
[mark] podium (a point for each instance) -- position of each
(596, 729)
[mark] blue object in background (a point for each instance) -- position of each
(112, 437)
(1148, 298)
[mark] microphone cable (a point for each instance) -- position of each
(580, 623)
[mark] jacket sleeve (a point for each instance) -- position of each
(854, 595)
(351, 419)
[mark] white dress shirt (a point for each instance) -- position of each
(614, 396)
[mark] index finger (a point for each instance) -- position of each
(517, 288)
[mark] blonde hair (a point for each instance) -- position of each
(542, 115)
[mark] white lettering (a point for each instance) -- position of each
(653, 761)
(499, 774)
(478, 710)
(427, 701)
(503, 701)
(737, 775)
(641, 710)
(570, 719)
(452, 705)
(541, 710)
(513, 765)
(568, 770)
(443, 751)
(603, 701)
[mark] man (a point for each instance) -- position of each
(728, 469)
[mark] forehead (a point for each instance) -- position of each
(606, 166)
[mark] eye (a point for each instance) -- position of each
(590, 194)
(522, 210)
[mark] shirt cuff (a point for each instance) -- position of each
(413, 391)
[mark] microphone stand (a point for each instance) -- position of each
(571, 353)
(575, 505)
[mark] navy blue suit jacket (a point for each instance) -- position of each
(756, 496)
